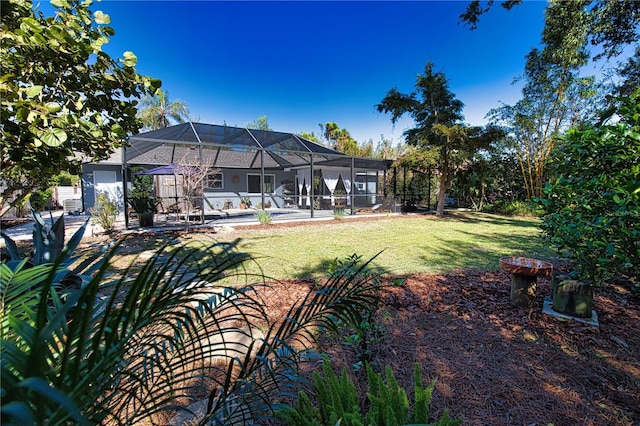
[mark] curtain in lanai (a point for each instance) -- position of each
(347, 186)
(331, 178)
(304, 180)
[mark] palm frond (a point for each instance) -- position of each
(183, 327)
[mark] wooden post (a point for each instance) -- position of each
(523, 290)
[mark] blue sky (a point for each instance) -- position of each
(304, 63)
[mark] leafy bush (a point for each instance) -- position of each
(105, 213)
(514, 208)
(264, 217)
(592, 209)
(41, 199)
(337, 402)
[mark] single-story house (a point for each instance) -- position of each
(268, 168)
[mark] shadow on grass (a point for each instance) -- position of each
(472, 253)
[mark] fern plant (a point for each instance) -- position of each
(337, 402)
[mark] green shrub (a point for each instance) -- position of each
(41, 199)
(337, 402)
(592, 208)
(514, 208)
(104, 213)
(264, 217)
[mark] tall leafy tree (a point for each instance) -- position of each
(629, 76)
(310, 136)
(261, 123)
(157, 110)
(438, 117)
(341, 140)
(610, 24)
(554, 97)
(64, 100)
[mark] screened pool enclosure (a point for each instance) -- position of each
(204, 171)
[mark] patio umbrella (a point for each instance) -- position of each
(171, 169)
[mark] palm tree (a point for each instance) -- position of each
(131, 346)
(156, 110)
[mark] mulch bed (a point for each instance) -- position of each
(497, 364)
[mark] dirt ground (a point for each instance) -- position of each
(496, 364)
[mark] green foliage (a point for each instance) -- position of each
(40, 200)
(64, 178)
(62, 95)
(341, 140)
(592, 208)
(49, 246)
(362, 331)
(514, 208)
(156, 110)
(611, 25)
(141, 198)
(338, 213)
(246, 200)
(261, 123)
(130, 344)
(141, 185)
(337, 402)
(264, 217)
(438, 118)
(105, 213)
(144, 205)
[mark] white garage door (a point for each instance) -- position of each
(105, 181)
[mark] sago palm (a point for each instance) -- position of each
(146, 342)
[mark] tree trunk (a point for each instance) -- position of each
(443, 181)
(442, 190)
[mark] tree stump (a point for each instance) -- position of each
(523, 290)
(573, 298)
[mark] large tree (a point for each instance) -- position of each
(609, 24)
(64, 100)
(438, 117)
(261, 123)
(157, 110)
(341, 140)
(554, 96)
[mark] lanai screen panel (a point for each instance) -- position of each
(232, 147)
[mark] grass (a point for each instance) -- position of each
(407, 244)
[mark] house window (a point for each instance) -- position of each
(214, 181)
(253, 184)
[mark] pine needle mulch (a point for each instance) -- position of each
(496, 364)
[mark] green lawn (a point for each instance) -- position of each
(408, 244)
